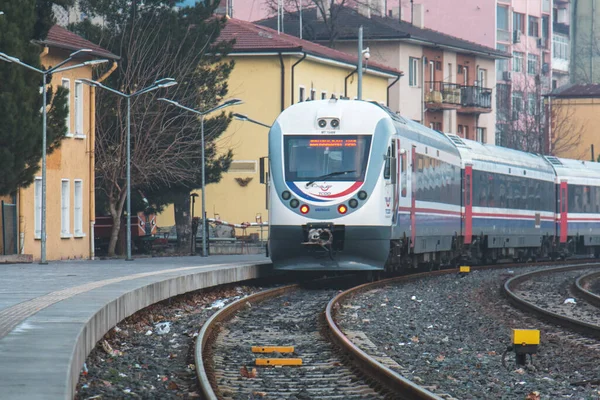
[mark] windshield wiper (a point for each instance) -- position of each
(329, 176)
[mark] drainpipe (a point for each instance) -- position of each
(294, 66)
(592, 41)
(346, 81)
(92, 164)
(282, 81)
(387, 100)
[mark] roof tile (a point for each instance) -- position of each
(62, 38)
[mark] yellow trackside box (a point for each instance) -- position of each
(526, 337)
(464, 269)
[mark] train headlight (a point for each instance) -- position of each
(342, 209)
(322, 123)
(294, 203)
(286, 195)
(304, 209)
(362, 195)
(335, 123)
(353, 203)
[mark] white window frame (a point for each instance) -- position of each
(37, 208)
(65, 209)
(517, 66)
(66, 83)
(413, 66)
(79, 110)
(301, 93)
(78, 208)
(533, 64)
(480, 135)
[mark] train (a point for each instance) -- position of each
(354, 186)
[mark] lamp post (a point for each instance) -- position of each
(232, 102)
(193, 246)
(56, 69)
(161, 83)
(245, 118)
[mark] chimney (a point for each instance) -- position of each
(419, 16)
(364, 8)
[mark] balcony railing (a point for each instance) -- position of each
(452, 95)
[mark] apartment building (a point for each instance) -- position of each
(585, 52)
(448, 83)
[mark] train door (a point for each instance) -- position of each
(404, 193)
(390, 176)
(563, 204)
(468, 203)
(413, 197)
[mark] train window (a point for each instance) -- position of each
(404, 174)
(387, 170)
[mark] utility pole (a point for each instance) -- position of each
(360, 63)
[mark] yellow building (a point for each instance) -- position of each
(70, 169)
(575, 111)
(273, 71)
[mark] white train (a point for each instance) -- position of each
(353, 186)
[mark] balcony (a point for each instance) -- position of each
(452, 96)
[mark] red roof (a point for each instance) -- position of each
(64, 39)
(253, 38)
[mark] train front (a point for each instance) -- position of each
(329, 204)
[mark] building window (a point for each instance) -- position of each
(517, 103)
(301, 94)
(438, 65)
(502, 64)
(65, 221)
(517, 61)
(519, 22)
(78, 207)
(323, 95)
(502, 23)
(545, 26)
(531, 103)
(313, 94)
(79, 108)
(533, 61)
(481, 77)
(481, 135)
(413, 72)
(534, 26)
(460, 131)
(560, 47)
(37, 207)
(66, 83)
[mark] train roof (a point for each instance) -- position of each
(420, 133)
(566, 168)
(472, 151)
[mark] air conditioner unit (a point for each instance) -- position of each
(517, 36)
(506, 75)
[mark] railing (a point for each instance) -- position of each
(437, 92)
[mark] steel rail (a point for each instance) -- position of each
(211, 327)
(511, 285)
(581, 288)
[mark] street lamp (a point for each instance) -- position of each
(57, 68)
(159, 84)
(232, 102)
(245, 118)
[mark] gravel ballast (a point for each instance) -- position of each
(449, 333)
(150, 355)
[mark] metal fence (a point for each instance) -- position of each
(9, 234)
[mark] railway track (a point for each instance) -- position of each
(561, 297)
(304, 318)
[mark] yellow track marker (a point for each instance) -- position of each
(272, 349)
(465, 269)
(278, 361)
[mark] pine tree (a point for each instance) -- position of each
(20, 100)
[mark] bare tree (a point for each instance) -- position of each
(529, 127)
(165, 142)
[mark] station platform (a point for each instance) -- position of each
(51, 316)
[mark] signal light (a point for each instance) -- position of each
(286, 195)
(294, 203)
(304, 209)
(342, 209)
(362, 195)
(353, 203)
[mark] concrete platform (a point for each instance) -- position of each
(51, 316)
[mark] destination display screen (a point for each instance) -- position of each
(332, 143)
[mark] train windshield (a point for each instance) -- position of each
(332, 158)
